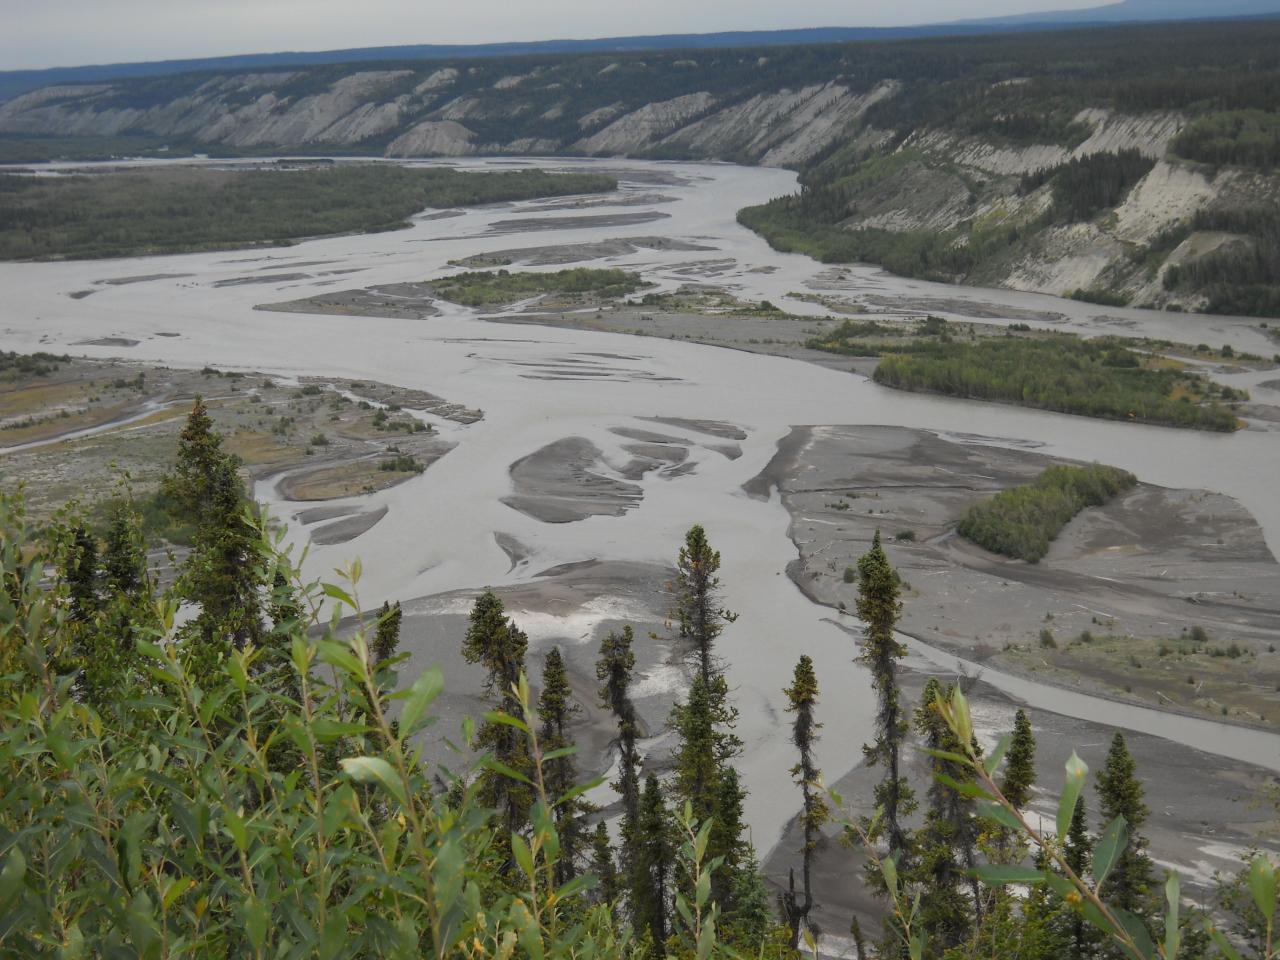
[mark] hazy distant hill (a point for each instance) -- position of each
(15, 82)
(1133, 11)
(1127, 164)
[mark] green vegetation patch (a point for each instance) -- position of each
(1246, 138)
(1092, 378)
(1022, 521)
(18, 366)
(486, 287)
(1085, 186)
(178, 209)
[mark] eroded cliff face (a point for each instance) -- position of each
(449, 112)
(736, 106)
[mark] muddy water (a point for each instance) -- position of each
(439, 532)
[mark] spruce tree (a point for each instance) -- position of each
(1120, 794)
(1020, 763)
(82, 574)
(944, 846)
(499, 646)
(603, 867)
(697, 592)
(613, 670)
(386, 637)
(879, 608)
(223, 575)
(703, 723)
(1079, 936)
(655, 859)
(124, 555)
(802, 699)
(555, 711)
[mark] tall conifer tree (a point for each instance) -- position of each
(802, 700)
(555, 711)
(1120, 794)
(879, 608)
(498, 645)
(1020, 763)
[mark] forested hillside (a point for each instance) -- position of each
(1132, 164)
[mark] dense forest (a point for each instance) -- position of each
(178, 209)
(1022, 521)
(1093, 378)
(250, 781)
(1060, 374)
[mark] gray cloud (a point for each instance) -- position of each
(42, 33)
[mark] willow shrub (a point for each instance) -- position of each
(276, 803)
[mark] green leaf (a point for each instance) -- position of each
(255, 922)
(524, 856)
(339, 655)
(1262, 884)
(1172, 935)
(1223, 944)
(337, 593)
(946, 755)
(989, 810)
(496, 716)
(999, 875)
(1110, 845)
(702, 892)
(238, 829)
(707, 938)
(1077, 770)
(497, 766)
(421, 695)
(889, 868)
(966, 788)
(15, 869)
(992, 763)
(376, 770)
(1137, 931)
(568, 751)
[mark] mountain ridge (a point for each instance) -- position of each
(16, 82)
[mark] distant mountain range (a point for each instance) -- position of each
(16, 82)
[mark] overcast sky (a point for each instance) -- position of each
(45, 33)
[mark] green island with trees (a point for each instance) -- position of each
(479, 288)
(250, 781)
(1065, 375)
(1021, 522)
(178, 209)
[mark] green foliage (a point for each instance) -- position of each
(19, 366)
(1120, 795)
(1246, 138)
(162, 823)
(178, 209)
(1020, 763)
(1084, 186)
(1021, 521)
(1062, 373)
(478, 288)
(1239, 276)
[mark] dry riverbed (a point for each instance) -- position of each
(80, 430)
(1165, 597)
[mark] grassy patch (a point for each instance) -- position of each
(175, 209)
(485, 288)
(1021, 522)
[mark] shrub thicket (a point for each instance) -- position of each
(1020, 522)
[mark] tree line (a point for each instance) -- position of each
(1059, 373)
(181, 209)
(250, 780)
